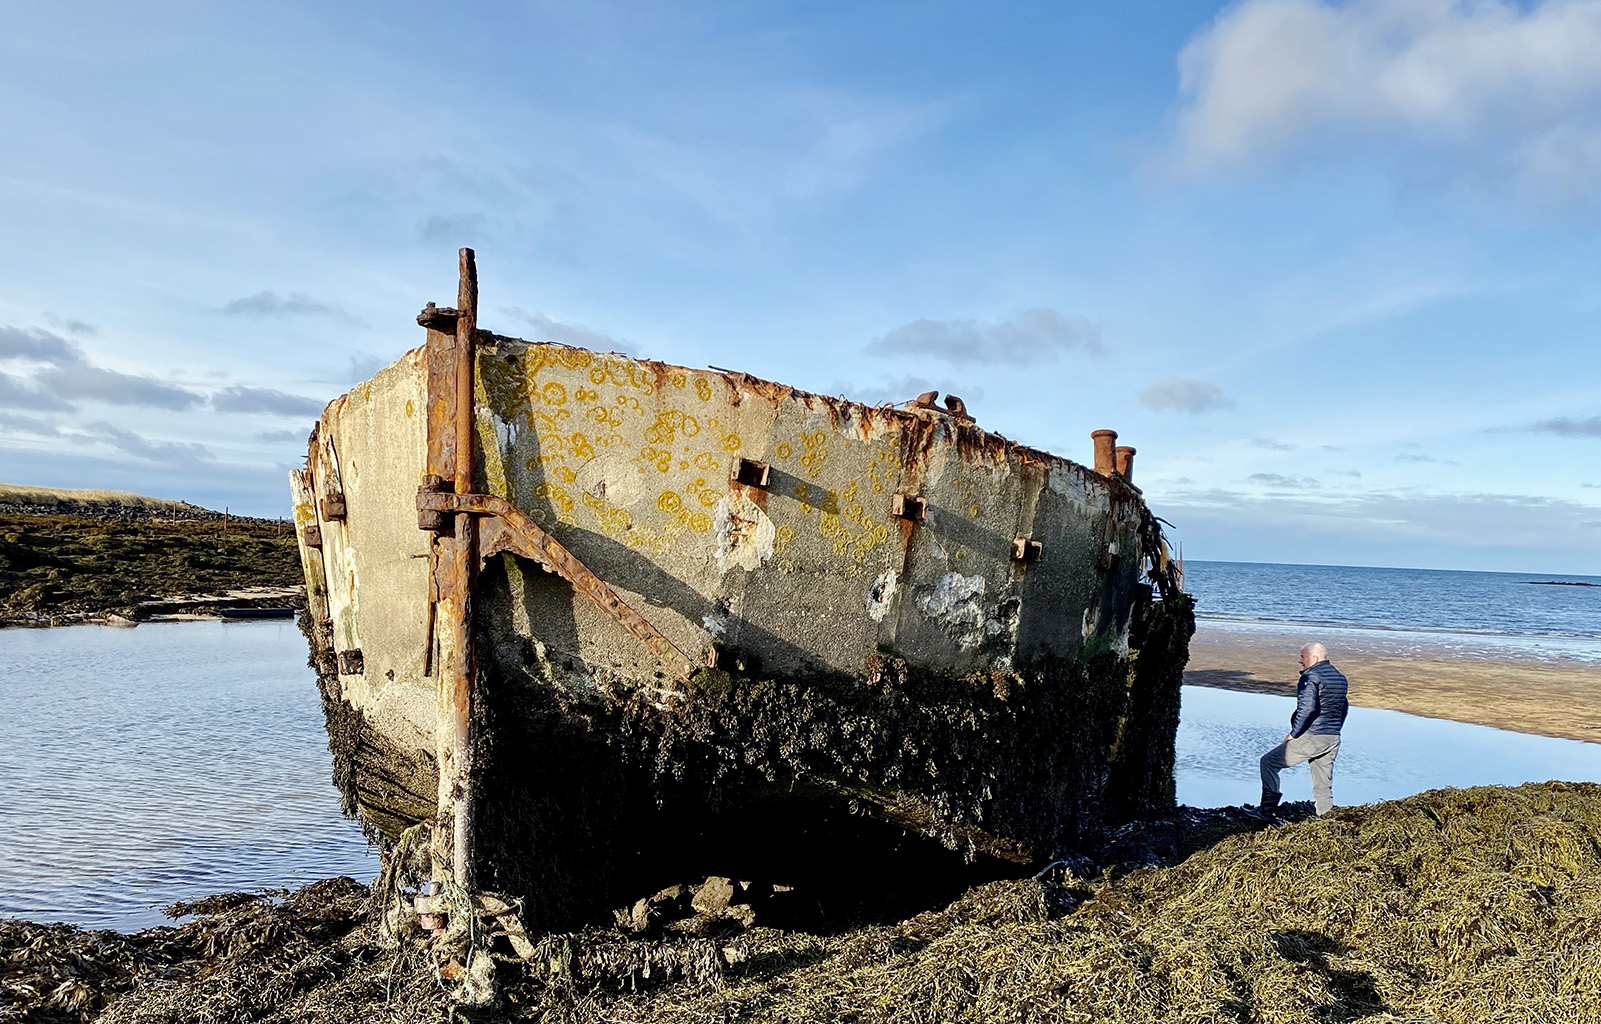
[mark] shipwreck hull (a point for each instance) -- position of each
(659, 613)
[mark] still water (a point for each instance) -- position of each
(177, 760)
(1384, 755)
(142, 766)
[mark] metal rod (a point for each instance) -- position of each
(463, 558)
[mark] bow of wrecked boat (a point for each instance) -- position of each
(587, 624)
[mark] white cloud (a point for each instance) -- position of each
(1181, 394)
(1512, 86)
(1031, 336)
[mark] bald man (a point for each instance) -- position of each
(1314, 735)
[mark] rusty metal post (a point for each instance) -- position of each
(1105, 443)
(1125, 463)
(461, 674)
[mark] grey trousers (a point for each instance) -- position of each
(1319, 752)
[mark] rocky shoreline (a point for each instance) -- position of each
(73, 562)
(1453, 905)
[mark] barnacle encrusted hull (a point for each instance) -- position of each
(700, 610)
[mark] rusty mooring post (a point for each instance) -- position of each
(460, 675)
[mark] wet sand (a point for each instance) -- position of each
(1557, 698)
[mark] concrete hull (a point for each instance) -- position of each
(901, 672)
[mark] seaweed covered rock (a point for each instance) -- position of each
(1454, 906)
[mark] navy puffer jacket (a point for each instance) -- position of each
(1320, 703)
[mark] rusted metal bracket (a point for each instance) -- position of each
(909, 506)
(1025, 550)
(511, 530)
(750, 473)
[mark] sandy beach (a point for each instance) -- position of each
(1548, 698)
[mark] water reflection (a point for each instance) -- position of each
(166, 762)
(1384, 755)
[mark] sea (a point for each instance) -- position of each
(1404, 611)
(176, 760)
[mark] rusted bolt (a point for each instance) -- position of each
(751, 473)
(313, 536)
(924, 401)
(431, 922)
(907, 506)
(1125, 463)
(436, 319)
(433, 520)
(957, 407)
(1105, 457)
(1025, 550)
(333, 507)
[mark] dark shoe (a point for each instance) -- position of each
(1270, 802)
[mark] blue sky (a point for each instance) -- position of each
(1331, 267)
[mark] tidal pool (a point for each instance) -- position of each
(142, 766)
(1383, 755)
(176, 760)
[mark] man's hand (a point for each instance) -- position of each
(1288, 737)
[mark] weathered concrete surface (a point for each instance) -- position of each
(628, 464)
(909, 671)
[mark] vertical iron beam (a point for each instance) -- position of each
(461, 676)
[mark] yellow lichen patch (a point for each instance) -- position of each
(305, 515)
(783, 450)
(816, 443)
(540, 356)
(782, 537)
(622, 373)
(703, 389)
(700, 522)
(669, 502)
(848, 542)
(409, 408)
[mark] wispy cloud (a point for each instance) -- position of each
(280, 436)
(37, 345)
(242, 399)
(98, 384)
(295, 304)
(26, 424)
(1391, 521)
(1181, 394)
(169, 453)
(1508, 84)
(1414, 457)
(1271, 445)
(1280, 480)
(1034, 335)
(69, 375)
(71, 325)
(548, 328)
(455, 230)
(1569, 427)
(15, 393)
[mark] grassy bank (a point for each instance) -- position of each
(1451, 906)
(65, 556)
